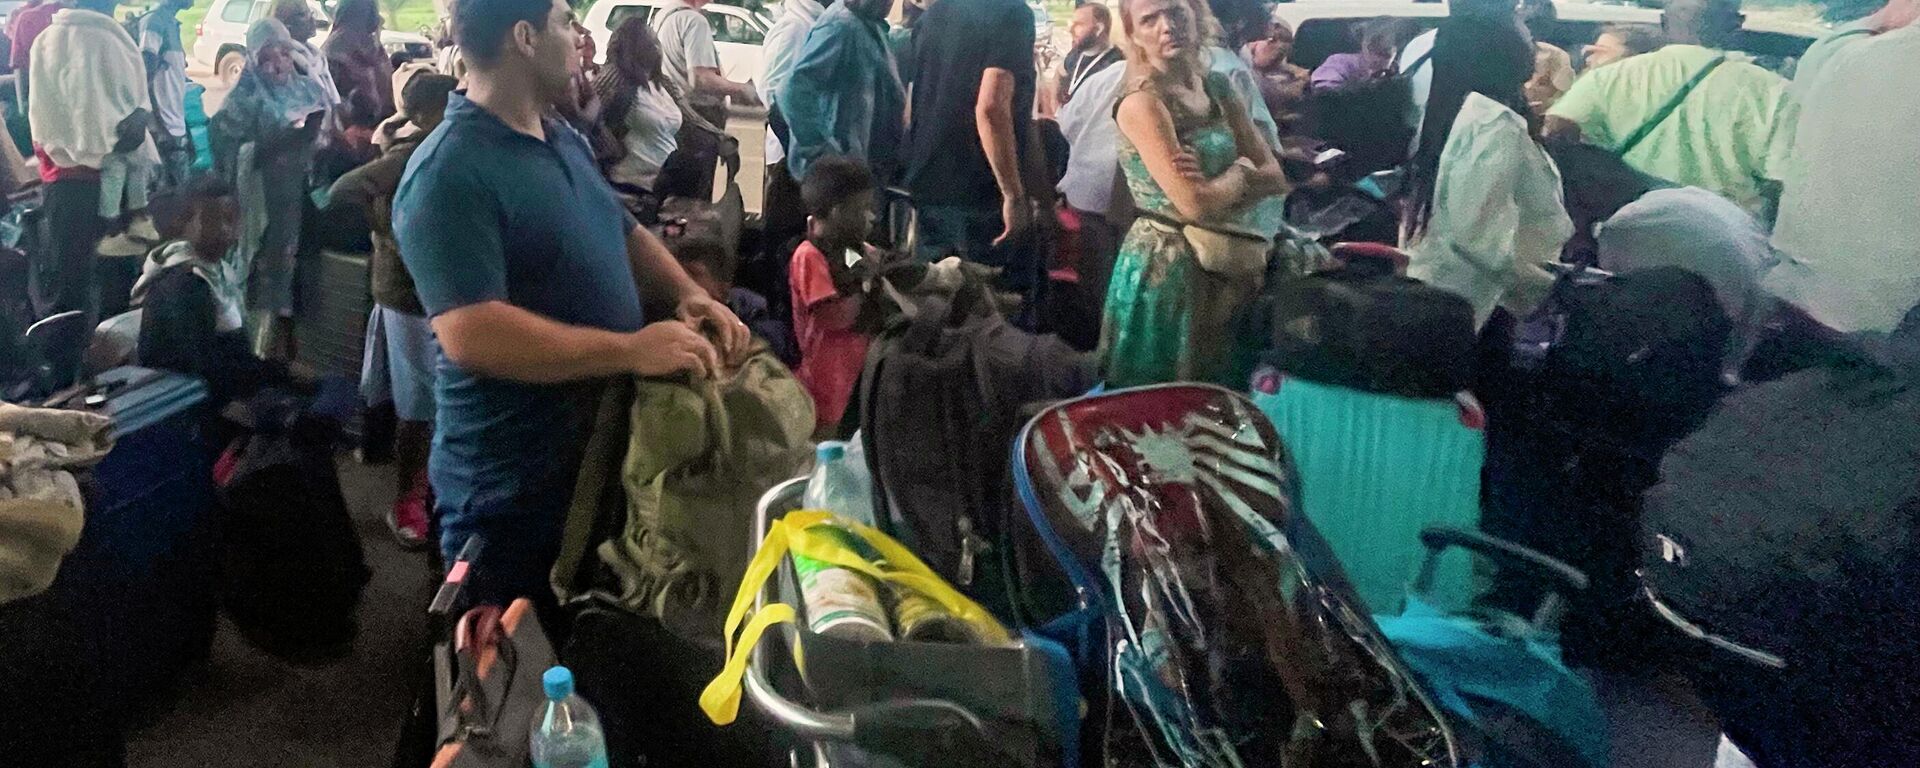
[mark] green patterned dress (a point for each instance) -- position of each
(1166, 318)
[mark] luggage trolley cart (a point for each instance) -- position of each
(903, 704)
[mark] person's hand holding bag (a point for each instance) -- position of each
(672, 346)
(701, 312)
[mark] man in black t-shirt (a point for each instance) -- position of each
(972, 116)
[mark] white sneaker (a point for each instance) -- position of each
(122, 246)
(142, 229)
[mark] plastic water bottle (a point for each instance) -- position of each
(566, 731)
(840, 483)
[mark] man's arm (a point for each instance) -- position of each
(450, 222)
(502, 341)
(993, 119)
(1578, 112)
(709, 80)
(703, 62)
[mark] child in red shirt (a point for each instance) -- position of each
(824, 282)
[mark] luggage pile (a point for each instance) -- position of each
(1169, 605)
(1031, 576)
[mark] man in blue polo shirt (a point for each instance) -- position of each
(532, 272)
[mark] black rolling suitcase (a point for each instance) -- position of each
(1360, 326)
(134, 603)
(147, 555)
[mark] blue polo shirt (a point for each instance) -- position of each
(486, 213)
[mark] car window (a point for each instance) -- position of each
(1316, 39)
(621, 13)
(728, 28)
(237, 11)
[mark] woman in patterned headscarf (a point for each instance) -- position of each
(273, 119)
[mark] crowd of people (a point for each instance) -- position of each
(509, 186)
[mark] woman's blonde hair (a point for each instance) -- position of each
(1207, 28)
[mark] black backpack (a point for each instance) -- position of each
(1794, 501)
(1360, 327)
(940, 402)
(294, 568)
(1787, 529)
(1632, 367)
(1638, 358)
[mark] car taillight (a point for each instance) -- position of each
(200, 29)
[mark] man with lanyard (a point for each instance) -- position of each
(844, 96)
(167, 81)
(1093, 48)
(1689, 113)
(688, 58)
(532, 273)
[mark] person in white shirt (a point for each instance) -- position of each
(1485, 209)
(783, 216)
(640, 108)
(1848, 230)
(1090, 184)
(690, 60)
(1414, 60)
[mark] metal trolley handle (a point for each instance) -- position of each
(801, 720)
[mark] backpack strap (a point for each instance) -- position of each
(1417, 63)
(1668, 109)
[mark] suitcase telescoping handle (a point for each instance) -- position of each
(1563, 577)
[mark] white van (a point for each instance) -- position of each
(1325, 27)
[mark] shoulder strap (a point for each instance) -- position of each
(1417, 63)
(1668, 109)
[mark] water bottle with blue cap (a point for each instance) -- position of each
(566, 730)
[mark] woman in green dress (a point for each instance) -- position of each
(1191, 156)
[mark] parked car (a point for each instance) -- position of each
(1326, 27)
(221, 42)
(1045, 48)
(738, 33)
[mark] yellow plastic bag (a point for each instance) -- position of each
(799, 534)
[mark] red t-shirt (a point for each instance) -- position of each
(830, 358)
(25, 26)
(50, 173)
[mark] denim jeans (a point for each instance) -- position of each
(62, 274)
